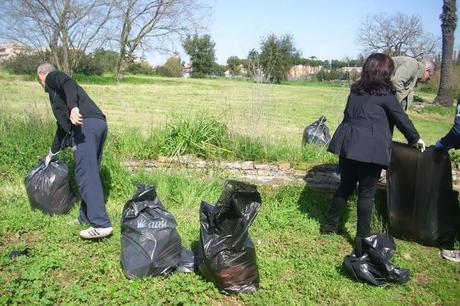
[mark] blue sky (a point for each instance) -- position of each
(325, 29)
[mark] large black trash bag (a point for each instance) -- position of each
(226, 254)
(48, 187)
(150, 242)
(421, 205)
(317, 132)
(374, 266)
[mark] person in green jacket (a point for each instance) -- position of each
(408, 71)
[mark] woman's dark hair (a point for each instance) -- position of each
(376, 76)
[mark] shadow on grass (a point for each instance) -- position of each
(106, 178)
(316, 196)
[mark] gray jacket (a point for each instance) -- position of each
(407, 71)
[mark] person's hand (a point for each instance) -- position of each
(75, 116)
(49, 158)
(420, 145)
(439, 146)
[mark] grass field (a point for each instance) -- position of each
(297, 265)
(257, 110)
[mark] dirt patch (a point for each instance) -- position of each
(228, 300)
(422, 278)
(287, 276)
(62, 278)
(28, 238)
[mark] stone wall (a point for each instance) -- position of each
(321, 176)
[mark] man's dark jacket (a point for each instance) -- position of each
(66, 94)
(452, 139)
(365, 133)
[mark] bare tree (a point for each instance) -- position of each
(448, 25)
(397, 34)
(146, 24)
(67, 28)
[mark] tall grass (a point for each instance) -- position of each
(22, 140)
(25, 137)
(202, 135)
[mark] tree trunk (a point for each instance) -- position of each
(124, 37)
(66, 66)
(448, 25)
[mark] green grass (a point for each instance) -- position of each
(443, 111)
(251, 109)
(255, 122)
(297, 264)
(203, 135)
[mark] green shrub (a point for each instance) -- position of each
(89, 65)
(27, 63)
(202, 135)
(247, 148)
(172, 68)
(106, 58)
(141, 68)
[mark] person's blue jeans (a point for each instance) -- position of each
(88, 144)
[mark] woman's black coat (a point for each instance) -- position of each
(365, 133)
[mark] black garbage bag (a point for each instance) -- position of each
(374, 266)
(48, 188)
(150, 242)
(226, 254)
(362, 269)
(421, 205)
(317, 132)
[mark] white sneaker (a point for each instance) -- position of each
(452, 255)
(95, 233)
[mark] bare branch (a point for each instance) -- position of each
(396, 34)
(66, 27)
(147, 23)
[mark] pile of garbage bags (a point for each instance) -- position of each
(421, 205)
(152, 246)
(48, 187)
(373, 265)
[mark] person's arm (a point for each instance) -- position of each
(58, 138)
(397, 115)
(452, 139)
(56, 145)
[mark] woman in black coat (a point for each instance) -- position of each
(363, 141)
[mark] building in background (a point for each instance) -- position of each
(10, 49)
